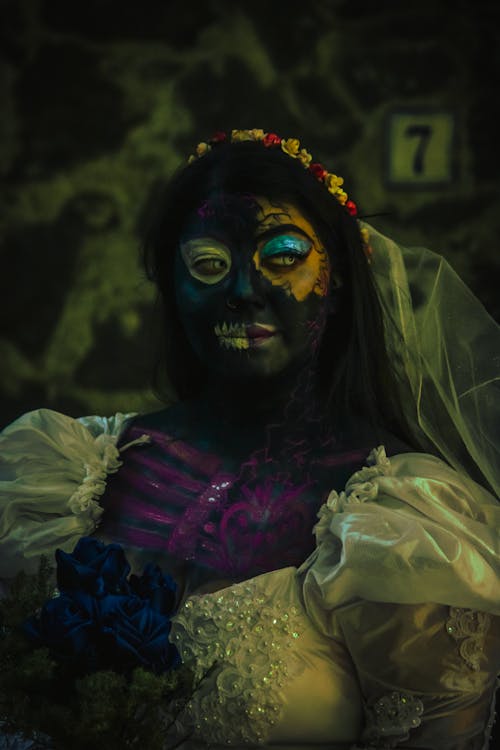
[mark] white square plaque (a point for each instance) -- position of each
(420, 148)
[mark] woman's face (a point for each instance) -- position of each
(252, 279)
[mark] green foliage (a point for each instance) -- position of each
(46, 704)
(26, 594)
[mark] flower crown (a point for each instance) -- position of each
(291, 147)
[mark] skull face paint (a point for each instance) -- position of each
(206, 259)
(270, 263)
(294, 258)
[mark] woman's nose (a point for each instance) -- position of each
(247, 286)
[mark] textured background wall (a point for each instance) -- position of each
(101, 100)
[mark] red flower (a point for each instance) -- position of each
(218, 137)
(318, 171)
(352, 208)
(271, 139)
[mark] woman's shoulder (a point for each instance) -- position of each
(53, 469)
(407, 529)
(426, 482)
(47, 422)
(424, 488)
(48, 441)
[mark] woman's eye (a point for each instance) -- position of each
(285, 251)
(210, 266)
(284, 260)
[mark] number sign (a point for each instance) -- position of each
(420, 148)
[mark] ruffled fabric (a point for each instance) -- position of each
(53, 470)
(407, 530)
(406, 576)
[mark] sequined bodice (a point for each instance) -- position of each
(170, 497)
(271, 676)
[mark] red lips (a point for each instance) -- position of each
(257, 331)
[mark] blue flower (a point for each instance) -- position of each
(101, 620)
(94, 567)
(135, 634)
(158, 588)
(67, 627)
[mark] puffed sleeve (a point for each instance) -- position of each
(53, 469)
(406, 530)
(406, 575)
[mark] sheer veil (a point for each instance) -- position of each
(446, 348)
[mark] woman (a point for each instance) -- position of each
(292, 363)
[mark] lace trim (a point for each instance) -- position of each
(468, 627)
(360, 488)
(83, 502)
(392, 717)
(251, 641)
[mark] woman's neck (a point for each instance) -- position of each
(253, 403)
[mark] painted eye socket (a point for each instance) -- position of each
(206, 259)
(285, 251)
(210, 266)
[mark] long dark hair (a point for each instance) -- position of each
(354, 373)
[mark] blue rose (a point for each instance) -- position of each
(100, 620)
(67, 627)
(94, 567)
(158, 588)
(135, 634)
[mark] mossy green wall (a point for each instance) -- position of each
(102, 99)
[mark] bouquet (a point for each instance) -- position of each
(89, 664)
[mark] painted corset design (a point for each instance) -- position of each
(170, 497)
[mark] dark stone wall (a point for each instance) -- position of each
(102, 99)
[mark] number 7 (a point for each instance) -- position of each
(423, 132)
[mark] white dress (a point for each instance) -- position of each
(386, 636)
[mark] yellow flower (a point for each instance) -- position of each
(191, 159)
(333, 182)
(365, 235)
(305, 157)
(202, 149)
(291, 147)
(247, 135)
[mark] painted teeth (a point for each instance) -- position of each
(234, 342)
(231, 329)
(232, 335)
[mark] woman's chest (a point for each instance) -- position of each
(238, 516)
